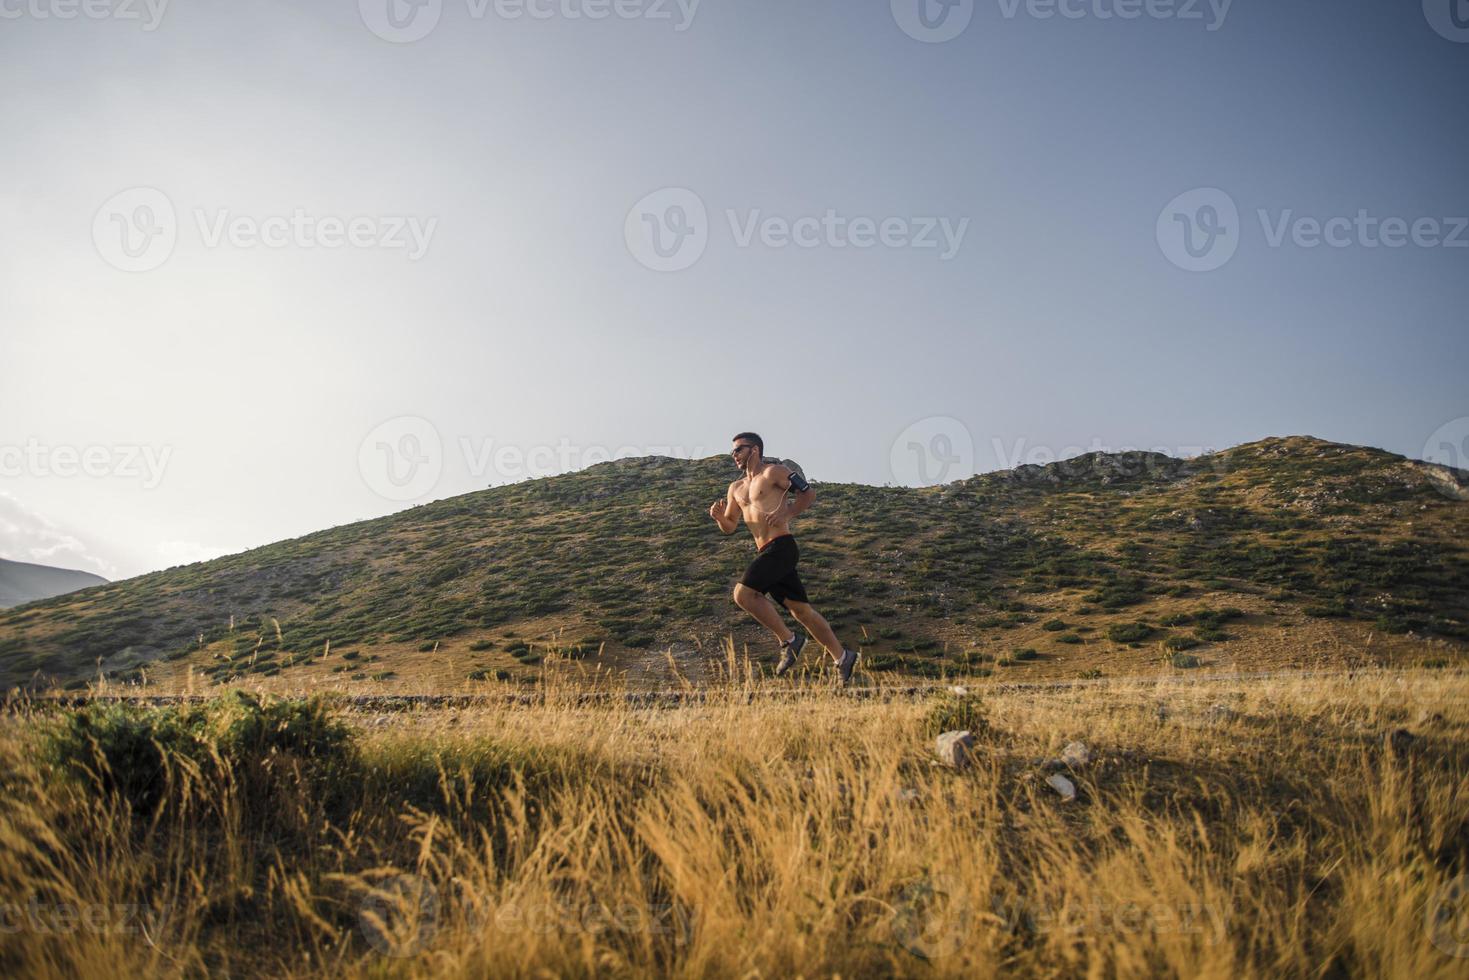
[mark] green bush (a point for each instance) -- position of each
(954, 712)
(1129, 632)
(133, 750)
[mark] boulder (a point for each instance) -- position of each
(954, 748)
(1062, 785)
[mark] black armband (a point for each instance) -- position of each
(798, 483)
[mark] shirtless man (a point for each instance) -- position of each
(760, 498)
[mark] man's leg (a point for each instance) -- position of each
(817, 626)
(757, 605)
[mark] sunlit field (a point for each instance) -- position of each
(1309, 826)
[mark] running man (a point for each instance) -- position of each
(760, 498)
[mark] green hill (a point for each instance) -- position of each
(1280, 551)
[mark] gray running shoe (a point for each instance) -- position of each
(846, 665)
(789, 654)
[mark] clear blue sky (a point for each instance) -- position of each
(526, 314)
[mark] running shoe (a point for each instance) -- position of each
(846, 665)
(789, 654)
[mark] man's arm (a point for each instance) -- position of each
(726, 513)
(805, 495)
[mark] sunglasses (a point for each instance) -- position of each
(737, 449)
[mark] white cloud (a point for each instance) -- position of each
(27, 536)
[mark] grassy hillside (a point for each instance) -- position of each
(1105, 564)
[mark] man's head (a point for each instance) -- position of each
(747, 448)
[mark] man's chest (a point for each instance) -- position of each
(761, 490)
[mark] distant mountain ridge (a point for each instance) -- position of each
(1259, 555)
(22, 582)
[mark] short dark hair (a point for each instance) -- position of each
(752, 437)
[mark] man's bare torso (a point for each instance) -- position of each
(762, 501)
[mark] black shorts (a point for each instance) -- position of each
(774, 571)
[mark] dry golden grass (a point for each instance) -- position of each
(1234, 828)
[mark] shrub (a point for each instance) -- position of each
(1129, 632)
(132, 749)
(955, 713)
